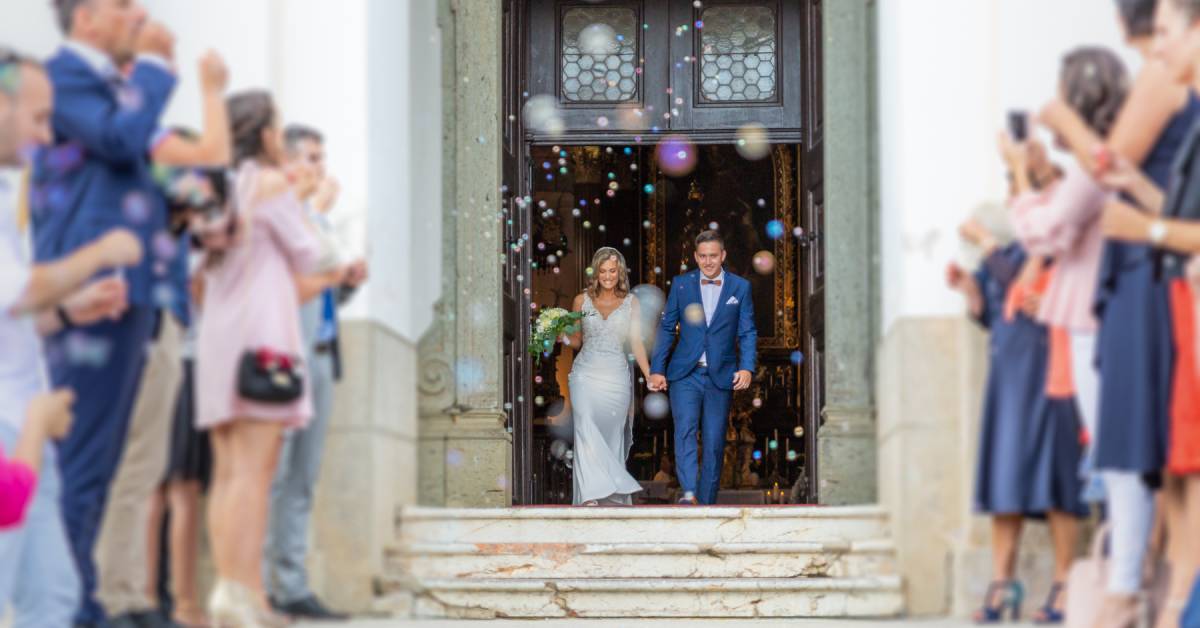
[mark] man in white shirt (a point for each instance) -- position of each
(37, 572)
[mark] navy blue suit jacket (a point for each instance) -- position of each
(96, 176)
(732, 323)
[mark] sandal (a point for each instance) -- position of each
(1011, 595)
(1049, 613)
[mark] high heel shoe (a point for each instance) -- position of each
(224, 609)
(1049, 613)
(1012, 595)
(233, 605)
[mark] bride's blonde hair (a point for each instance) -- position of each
(603, 255)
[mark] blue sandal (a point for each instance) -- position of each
(1012, 595)
(1047, 614)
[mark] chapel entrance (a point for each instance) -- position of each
(645, 127)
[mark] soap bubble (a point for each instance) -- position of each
(558, 449)
(656, 405)
(791, 455)
(757, 455)
(454, 457)
(775, 229)
(542, 114)
(165, 245)
(798, 431)
(764, 262)
(757, 403)
(798, 232)
(136, 207)
(597, 39)
(752, 142)
(714, 226)
(797, 357)
(677, 155)
(694, 314)
(559, 420)
(86, 350)
(772, 444)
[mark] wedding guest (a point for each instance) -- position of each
(251, 316)
(1172, 222)
(1134, 344)
(300, 459)
(121, 548)
(37, 573)
(1029, 447)
(94, 178)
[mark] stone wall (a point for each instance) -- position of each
(931, 382)
(369, 467)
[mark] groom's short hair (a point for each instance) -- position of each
(710, 236)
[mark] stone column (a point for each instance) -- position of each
(465, 451)
(847, 440)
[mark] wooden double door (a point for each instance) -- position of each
(620, 77)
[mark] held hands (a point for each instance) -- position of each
(657, 382)
(51, 412)
(101, 299)
(155, 39)
(214, 75)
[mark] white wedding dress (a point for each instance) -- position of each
(601, 383)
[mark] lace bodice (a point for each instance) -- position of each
(606, 338)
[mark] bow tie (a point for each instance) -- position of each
(705, 282)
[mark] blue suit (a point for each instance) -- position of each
(96, 177)
(701, 395)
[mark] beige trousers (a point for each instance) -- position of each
(121, 552)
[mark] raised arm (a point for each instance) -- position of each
(1051, 223)
(117, 132)
(213, 149)
(1152, 101)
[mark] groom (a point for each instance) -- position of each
(713, 310)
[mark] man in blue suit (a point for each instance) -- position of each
(713, 312)
(96, 177)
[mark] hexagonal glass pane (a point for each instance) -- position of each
(604, 40)
(739, 49)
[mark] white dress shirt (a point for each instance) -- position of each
(710, 293)
(22, 371)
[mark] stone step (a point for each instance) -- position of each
(654, 597)
(645, 560)
(666, 524)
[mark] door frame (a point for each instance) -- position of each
(517, 174)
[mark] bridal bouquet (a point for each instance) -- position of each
(550, 324)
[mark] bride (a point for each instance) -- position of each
(601, 383)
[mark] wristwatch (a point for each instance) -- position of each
(1157, 232)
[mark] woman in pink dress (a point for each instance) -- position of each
(251, 301)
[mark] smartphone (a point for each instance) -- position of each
(1018, 125)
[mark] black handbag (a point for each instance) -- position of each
(267, 376)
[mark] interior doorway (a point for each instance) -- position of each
(588, 196)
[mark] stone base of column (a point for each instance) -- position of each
(847, 451)
(465, 460)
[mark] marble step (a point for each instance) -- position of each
(667, 524)
(646, 598)
(836, 559)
